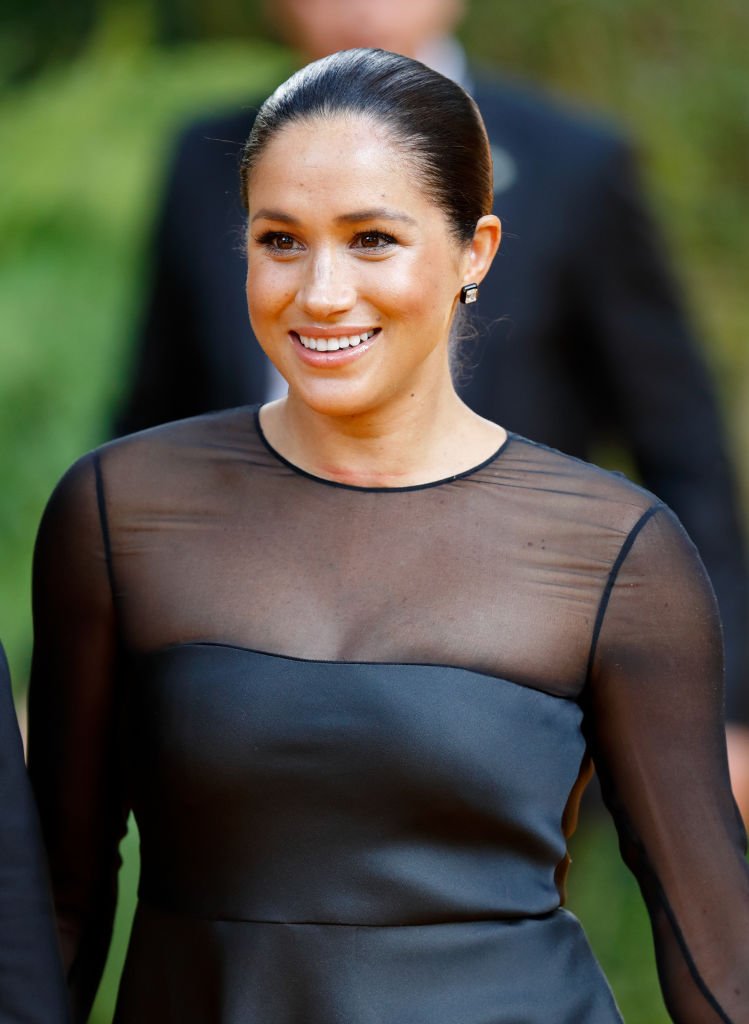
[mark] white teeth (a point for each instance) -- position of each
(334, 344)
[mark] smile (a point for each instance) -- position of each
(334, 344)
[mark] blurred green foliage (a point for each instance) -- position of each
(97, 90)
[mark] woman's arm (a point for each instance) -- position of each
(74, 757)
(655, 724)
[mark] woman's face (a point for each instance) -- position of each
(353, 274)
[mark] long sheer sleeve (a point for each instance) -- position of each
(73, 749)
(655, 724)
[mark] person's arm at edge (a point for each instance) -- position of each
(32, 989)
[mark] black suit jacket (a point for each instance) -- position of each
(32, 990)
(582, 335)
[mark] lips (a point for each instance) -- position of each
(317, 344)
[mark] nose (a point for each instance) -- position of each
(326, 287)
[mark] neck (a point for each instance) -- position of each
(414, 440)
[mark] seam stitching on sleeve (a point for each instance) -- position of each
(104, 526)
(647, 868)
(686, 953)
(613, 573)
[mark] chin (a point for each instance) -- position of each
(337, 398)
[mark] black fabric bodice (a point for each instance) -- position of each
(298, 764)
(353, 725)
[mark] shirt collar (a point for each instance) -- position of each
(447, 56)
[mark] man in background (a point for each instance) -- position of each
(583, 340)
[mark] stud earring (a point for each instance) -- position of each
(469, 293)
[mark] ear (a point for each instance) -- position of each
(482, 249)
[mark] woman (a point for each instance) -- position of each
(346, 655)
(32, 990)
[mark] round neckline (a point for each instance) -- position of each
(374, 490)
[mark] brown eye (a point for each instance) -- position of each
(374, 240)
(278, 241)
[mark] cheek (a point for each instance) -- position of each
(423, 300)
(407, 290)
(270, 287)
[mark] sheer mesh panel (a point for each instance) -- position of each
(214, 538)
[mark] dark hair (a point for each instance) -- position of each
(432, 118)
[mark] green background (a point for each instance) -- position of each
(92, 95)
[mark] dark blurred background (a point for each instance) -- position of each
(92, 95)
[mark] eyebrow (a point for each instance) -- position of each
(285, 218)
(374, 213)
(355, 217)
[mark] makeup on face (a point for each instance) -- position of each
(353, 272)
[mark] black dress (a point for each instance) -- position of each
(354, 724)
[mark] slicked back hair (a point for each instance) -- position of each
(433, 119)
